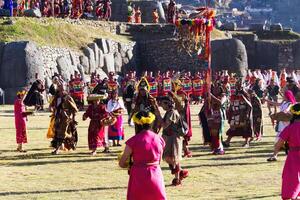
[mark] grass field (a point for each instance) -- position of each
(239, 174)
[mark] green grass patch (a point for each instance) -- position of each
(54, 32)
(242, 173)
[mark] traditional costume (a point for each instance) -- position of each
(212, 116)
(171, 133)
(240, 116)
(34, 96)
(257, 115)
(146, 178)
(114, 108)
(20, 120)
(290, 176)
(64, 122)
(145, 102)
(96, 112)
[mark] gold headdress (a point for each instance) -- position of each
(143, 120)
(22, 92)
(143, 84)
(294, 111)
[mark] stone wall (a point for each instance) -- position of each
(18, 71)
(266, 54)
(165, 54)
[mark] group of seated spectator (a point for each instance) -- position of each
(99, 9)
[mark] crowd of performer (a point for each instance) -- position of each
(228, 97)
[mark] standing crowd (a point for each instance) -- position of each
(228, 97)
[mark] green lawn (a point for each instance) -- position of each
(239, 174)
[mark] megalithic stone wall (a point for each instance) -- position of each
(20, 61)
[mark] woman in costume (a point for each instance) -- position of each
(146, 180)
(96, 112)
(20, 121)
(115, 108)
(173, 138)
(64, 109)
(240, 116)
(290, 176)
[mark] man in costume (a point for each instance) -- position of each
(144, 101)
(212, 116)
(34, 96)
(257, 114)
(182, 105)
(272, 92)
(240, 116)
(64, 111)
(128, 94)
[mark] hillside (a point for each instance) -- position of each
(68, 33)
(56, 32)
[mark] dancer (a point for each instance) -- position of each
(96, 112)
(145, 102)
(64, 109)
(115, 108)
(290, 176)
(20, 121)
(240, 116)
(257, 114)
(146, 148)
(214, 112)
(173, 150)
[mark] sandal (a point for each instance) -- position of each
(183, 174)
(106, 151)
(176, 182)
(272, 159)
(188, 154)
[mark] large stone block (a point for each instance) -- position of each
(20, 62)
(95, 48)
(109, 64)
(230, 54)
(65, 68)
(102, 44)
(91, 56)
(118, 62)
(84, 61)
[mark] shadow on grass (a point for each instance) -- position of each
(48, 162)
(275, 196)
(61, 191)
(219, 165)
(48, 155)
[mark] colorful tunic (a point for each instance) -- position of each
(116, 131)
(173, 141)
(215, 121)
(96, 130)
(20, 121)
(290, 176)
(240, 116)
(146, 182)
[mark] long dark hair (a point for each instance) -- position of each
(296, 108)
